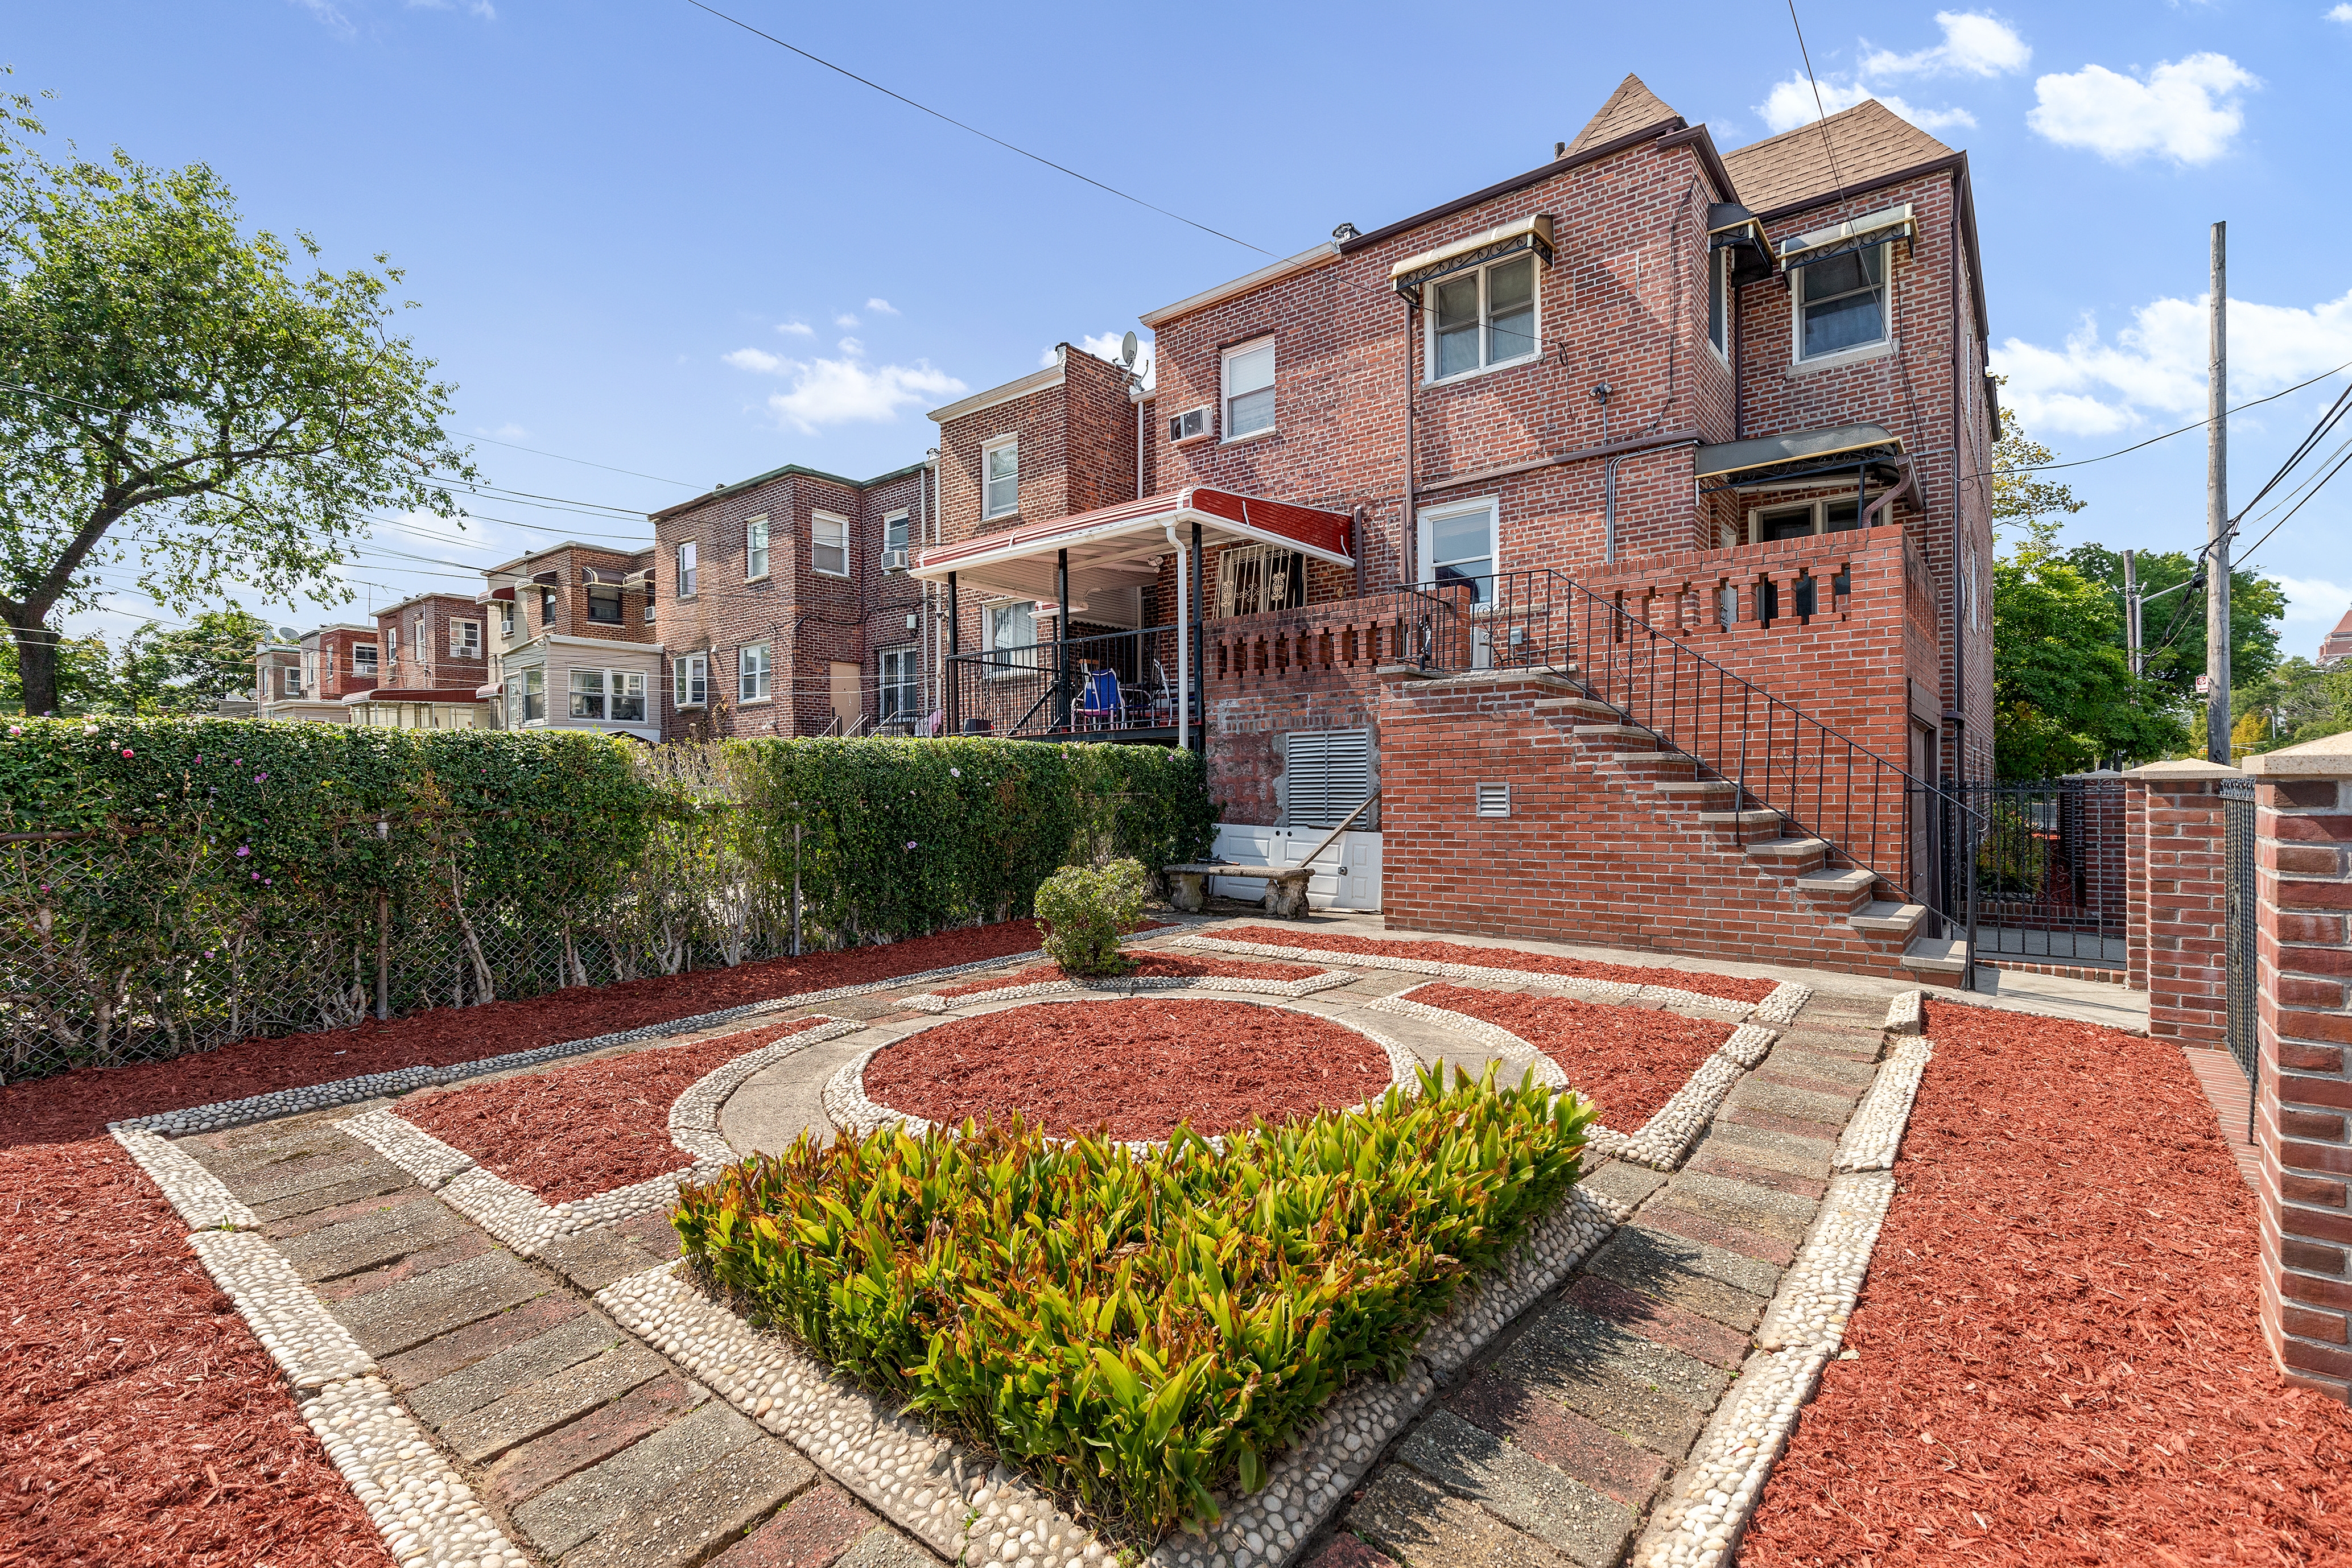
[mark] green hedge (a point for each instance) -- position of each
(243, 878)
(1138, 1331)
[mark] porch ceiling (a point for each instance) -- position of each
(1118, 546)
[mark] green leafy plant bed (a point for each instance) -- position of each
(1135, 1331)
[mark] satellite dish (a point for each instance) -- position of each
(288, 634)
(1127, 347)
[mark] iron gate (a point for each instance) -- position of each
(2049, 863)
(2237, 931)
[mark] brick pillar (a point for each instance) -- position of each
(2181, 810)
(2303, 973)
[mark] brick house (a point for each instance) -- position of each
(310, 681)
(432, 663)
(1608, 515)
(571, 636)
(790, 611)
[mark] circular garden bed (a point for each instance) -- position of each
(1132, 1069)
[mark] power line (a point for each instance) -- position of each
(2169, 435)
(1820, 112)
(975, 130)
(559, 456)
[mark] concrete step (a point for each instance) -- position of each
(1588, 708)
(1884, 916)
(1628, 735)
(1740, 819)
(1695, 789)
(1789, 854)
(1937, 959)
(1655, 762)
(1837, 884)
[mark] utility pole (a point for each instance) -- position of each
(2216, 510)
(2131, 610)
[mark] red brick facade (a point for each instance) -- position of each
(426, 644)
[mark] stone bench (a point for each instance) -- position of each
(1285, 886)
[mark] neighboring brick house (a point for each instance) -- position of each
(1720, 394)
(790, 612)
(431, 663)
(326, 666)
(2337, 645)
(571, 635)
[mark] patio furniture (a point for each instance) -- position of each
(1096, 705)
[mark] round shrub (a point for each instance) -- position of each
(1086, 909)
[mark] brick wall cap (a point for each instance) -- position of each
(2330, 756)
(2190, 768)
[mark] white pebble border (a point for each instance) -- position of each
(1328, 980)
(428, 1516)
(857, 1114)
(1902, 1013)
(301, 1336)
(200, 1198)
(524, 1222)
(1667, 1136)
(930, 1486)
(1718, 1491)
(1780, 1006)
(1875, 1133)
(372, 1086)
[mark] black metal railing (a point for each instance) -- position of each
(2239, 933)
(1117, 683)
(2050, 868)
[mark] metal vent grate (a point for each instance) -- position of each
(1493, 800)
(1327, 774)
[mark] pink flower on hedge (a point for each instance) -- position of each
(243, 850)
(955, 773)
(257, 875)
(126, 751)
(911, 844)
(258, 777)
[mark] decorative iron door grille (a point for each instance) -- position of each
(2238, 930)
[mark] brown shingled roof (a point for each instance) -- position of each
(1870, 139)
(1632, 107)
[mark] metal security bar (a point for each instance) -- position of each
(2050, 869)
(2239, 933)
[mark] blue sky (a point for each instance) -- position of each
(642, 237)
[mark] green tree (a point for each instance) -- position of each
(186, 670)
(2173, 628)
(2063, 695)
(81, 678)
(2294, 702)
(174, 401)
(2020, 495)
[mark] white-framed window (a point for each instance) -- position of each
(604, 605)
(392, 646)
(1458, 547)
(506, 619)
(1009, 635)
(1000, 478)
(1840, 303)
(526, 698)
(1718, 302)
(901, 684)
(828, 544)
(626, 694)
(419, 645)
(690, 680)
(894, 531)
(751, 672)
(1483, 318)
(363, 664)
(547, 607)
(755, 549)
(1249, 389)
(291, 680)
(1800, 519)
(686, 569)
(588, 694)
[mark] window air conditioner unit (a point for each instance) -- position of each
(894, 561)
(1190, 425)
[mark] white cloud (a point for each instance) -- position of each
(796, 329)
(1049, 356)
(482, 8)
(2186, 110)
(509, 431)
(2312, 598)
(883, 306)
(2156, 366)
(2341, 13)
(845, 320)
(756, 360)
(1791, 104)
(852, 347)
(843, 391)
(327, 15)
(1974, 45)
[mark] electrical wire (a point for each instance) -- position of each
(2169, 435)
(1820, 111)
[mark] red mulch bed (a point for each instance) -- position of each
(1133, 1068)
(1147, 966)
(1627, 1060)
(179, 1444)
(1730, 987)
(2061, 1359)
(574, 1132)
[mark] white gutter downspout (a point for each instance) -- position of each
(1183, 636)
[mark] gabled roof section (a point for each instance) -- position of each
(1871, 141)
(1632, 107)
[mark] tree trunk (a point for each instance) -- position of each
(36, 664)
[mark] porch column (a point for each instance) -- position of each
(1199, 690)
(954, 698)
(1062, 641)
(2303, 851)
(2187, 998)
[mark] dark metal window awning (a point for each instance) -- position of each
(1730, 227)
(1855, 234)
(1534, 233)
(1800, 454)
(607, 577)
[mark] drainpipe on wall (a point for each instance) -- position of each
(1183, 638)
(1409, 524)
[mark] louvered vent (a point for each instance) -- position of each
(1327, 774)
(1493, 800)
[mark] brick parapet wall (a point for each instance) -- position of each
(2186, 892)
(2304, 966)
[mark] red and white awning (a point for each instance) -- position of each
(1119, 547)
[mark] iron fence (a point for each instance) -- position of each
(2240, 933)
(2049, 863)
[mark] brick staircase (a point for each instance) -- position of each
(1884, 926)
